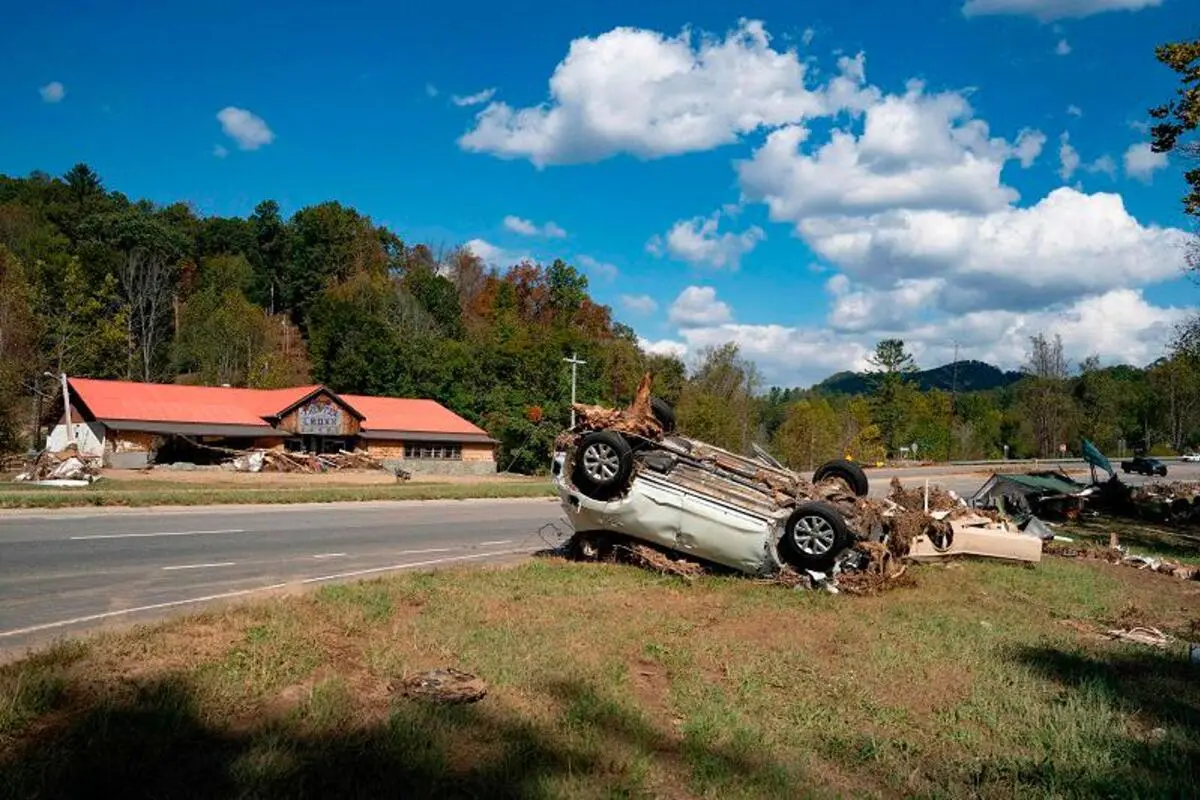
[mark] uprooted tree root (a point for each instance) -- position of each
(657, 561)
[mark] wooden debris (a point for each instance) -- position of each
(68, 464)
(660, 562)
(1147, 636)
(447, 685)
(283, 461)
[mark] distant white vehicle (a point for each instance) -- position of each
(1190, 457)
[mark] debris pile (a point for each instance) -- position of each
(939, 499)
(66, 467)
(1118, 555)
(282, 461)
(1152, 637)
(447, 685)
(637, 420)
(1176, 503)
(658, 561)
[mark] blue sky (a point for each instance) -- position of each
(771, 177)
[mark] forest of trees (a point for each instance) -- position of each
(93, 284)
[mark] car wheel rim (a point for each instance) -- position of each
(601, 463)
(813, 536)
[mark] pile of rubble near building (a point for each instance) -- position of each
(283, 461)
(66, 467)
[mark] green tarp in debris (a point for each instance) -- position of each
(1044, 482)
(1095, 458)
(1020, 496)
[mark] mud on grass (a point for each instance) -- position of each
(609, 680)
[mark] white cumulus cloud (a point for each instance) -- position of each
(801, 356)
(913, 208)
(698, 306)
(1029, 146)
(478, 98)
(1074, 110)
(247, 129)
(494, 255)
(596, 268)
(698, 241)
(53, 92)
(641, 92)
(639, 303)
(1063, 48)
(1104, 164)
(1068, 157)
(663, 347)
(1141, 162)
(1050, 10)
(527, 227)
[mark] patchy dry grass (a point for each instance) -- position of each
(156, 493)
(607, 681)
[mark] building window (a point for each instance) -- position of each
(442, 451)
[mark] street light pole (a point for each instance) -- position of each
(574, 361)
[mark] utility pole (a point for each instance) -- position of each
(66, 404)
(574, 361)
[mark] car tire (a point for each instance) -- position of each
(813, 536)
(664, 414)
(603, 465)
(849, 472)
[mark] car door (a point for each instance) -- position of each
(655, 512)
(724, 531)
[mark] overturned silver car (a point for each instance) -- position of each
(626, 474)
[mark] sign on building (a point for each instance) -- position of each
(320, 419)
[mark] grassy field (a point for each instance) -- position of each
(158, 493)
(983, 679)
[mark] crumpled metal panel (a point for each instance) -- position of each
(726, 535)
(695, 479)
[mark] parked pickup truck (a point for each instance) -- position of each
(1144, 466)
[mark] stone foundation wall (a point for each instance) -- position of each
(438, 467)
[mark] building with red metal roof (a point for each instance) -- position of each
(133, 424)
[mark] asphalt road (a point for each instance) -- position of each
(66, 571)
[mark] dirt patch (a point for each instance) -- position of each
(651, 686)
(248, 480)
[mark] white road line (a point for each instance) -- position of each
(489, 544)
(243, 592)
(147, 535)
(329, 555)
(203, 566)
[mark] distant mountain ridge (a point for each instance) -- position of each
(972, 376)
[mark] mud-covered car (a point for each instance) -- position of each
(627, 474)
